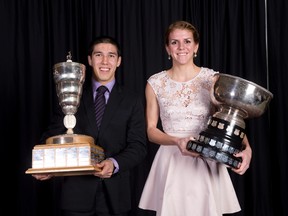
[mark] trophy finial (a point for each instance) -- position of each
(69, 57)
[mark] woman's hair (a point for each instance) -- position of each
(181, 25)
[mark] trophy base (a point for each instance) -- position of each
(65, 171)
(220, 141)
(213, 153)
(66, 155)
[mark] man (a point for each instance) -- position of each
(122, 135)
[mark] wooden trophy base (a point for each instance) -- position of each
(66, 155)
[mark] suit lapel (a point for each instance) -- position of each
(89, 107)
(115, 98)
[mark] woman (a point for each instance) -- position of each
(181, 183)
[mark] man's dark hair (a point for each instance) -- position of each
(103, 39)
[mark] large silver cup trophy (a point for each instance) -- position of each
(67, 154)
(236, 99)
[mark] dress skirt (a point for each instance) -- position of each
(180, 185)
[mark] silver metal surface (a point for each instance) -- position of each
(236, 94)
(236, 99)
(69, 78)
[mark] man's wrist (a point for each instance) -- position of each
(116, 165)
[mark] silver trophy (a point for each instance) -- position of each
(69, 78)
(236, 99)
(67, 154)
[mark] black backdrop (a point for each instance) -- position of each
(240, 37)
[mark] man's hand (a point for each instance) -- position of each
(107, 168)
(42, 177)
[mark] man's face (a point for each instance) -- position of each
(104, 61)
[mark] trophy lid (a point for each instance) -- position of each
(69, 70)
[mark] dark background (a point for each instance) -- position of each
(240, 37)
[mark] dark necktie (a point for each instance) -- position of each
(100, 104)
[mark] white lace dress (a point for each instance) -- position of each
(180, 185)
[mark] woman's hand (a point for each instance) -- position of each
(246, 156)
(182, 145)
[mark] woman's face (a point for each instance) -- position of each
(181, 46)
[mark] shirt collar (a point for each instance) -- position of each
(96, 84)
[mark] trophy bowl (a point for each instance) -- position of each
(69, 78)
(232, 91)
(236, 99)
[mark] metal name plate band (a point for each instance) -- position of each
(62, 140)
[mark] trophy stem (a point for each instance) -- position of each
(69, 131)
(69, 122)
(229, 114)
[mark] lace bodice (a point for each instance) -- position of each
(184, 106)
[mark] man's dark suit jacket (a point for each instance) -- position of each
(123, 137)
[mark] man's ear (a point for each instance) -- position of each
(89, 60)
(119, 61)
